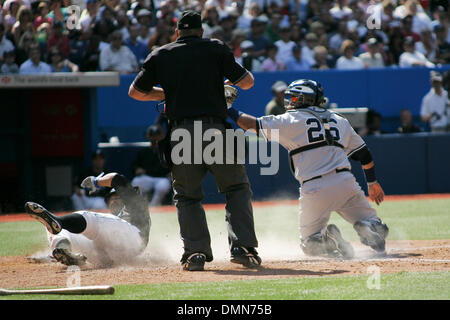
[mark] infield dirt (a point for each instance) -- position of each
(404, 255)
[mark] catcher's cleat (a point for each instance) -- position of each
(370, 237)
(195, 262)
(248, 257)
(337, 244)
(41, 214)
(65, 256)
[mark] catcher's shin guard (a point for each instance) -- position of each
(328, 243)
(337, 244)
(372, 233)
(314, 245)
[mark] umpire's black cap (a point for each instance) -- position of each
(189, 20)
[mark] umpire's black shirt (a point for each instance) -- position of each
(191, 71)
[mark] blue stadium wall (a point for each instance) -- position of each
(385, 90)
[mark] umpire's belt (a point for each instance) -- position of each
(318, 177)
(203, 119)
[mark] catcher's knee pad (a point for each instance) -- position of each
(372, 232)
(314, 245)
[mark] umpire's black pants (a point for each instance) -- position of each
(231, 180)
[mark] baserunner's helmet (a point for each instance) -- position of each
(303, 93)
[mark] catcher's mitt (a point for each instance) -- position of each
(231, 94)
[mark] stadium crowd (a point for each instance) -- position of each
(265, 35)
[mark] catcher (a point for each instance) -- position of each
(101, 239)
(319, 143)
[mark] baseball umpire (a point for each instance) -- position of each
(102, 239)
(191, 73)
(319, 143)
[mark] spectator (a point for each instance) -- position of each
(443, 45)
(117, 57)
(238, 37)
(210, 19)
(337, 40)
(92, 55)
(226, 23)
(407, 28)
(34, 64)
(122, 23)
(81, 199)
(296, 62)
(144, 18)
(5, 44)
(276, 105)
(23, 49)
(296, 33)
(373, 124)
(395, 47)
(59, 64)
(247, 59)
(323, 62)
(149, 175)
(245, 20)
(9, 65)
(411, 57)
(23, 23)
(59, 40)
(42, 15)
(443, 20)
(435, 105)
(420, 19)
(42, 34)
(372, 58)
(285, 45)
(348, 60)
(160, 39)
(271, 63)
(10, 10)
(58, 13)
(139, 49)
(89, 15)
(308, 49)
(318, 29)
(260, 41)
(427, 45)
(406, 123)
(273, 29)
(341, 11)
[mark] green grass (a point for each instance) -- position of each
(400, 286)
(20, 238)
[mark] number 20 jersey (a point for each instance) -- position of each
(298, 128)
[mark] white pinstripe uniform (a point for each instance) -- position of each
(322, 190)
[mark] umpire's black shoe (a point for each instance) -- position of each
(248, 257)
(194, 262)
(41, 214)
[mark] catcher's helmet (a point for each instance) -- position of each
(303, 93)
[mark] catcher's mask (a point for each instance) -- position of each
(303, 93)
